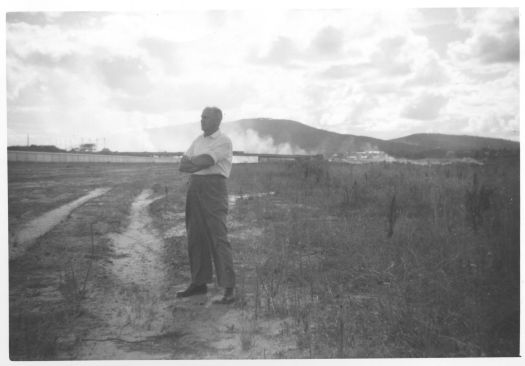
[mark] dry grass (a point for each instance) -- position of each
(404, 260)
(377, 260)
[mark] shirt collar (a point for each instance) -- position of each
(214, 135)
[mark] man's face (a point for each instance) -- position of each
(209, 122)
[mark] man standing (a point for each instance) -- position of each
(209, 160)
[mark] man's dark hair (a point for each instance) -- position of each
(216, 111)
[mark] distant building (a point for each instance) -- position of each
(361, 157)
(237, 159)
(87, 147)
(242, 157)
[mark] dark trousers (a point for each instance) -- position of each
(206, 211)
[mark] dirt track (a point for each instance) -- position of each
(129, 309)
(144, 320)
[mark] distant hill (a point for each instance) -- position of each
(456, 142)
(287, 136)
(300, 136)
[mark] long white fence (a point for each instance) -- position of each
(49, 157)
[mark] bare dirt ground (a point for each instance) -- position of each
(97, 277)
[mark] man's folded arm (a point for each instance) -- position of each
(196, 163)
(203, 161)
(186, 166)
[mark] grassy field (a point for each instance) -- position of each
(372, 260)
(393, 260)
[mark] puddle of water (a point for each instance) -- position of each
(42, 224)
(232, 198)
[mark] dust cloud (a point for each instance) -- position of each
(251, 142)
(179, 139)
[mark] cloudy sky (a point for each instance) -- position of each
(90, 76)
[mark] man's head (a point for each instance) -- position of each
(210, 120)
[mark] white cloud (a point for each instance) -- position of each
(493, 126)
(163, 51)
(329, 41)
(495, 38)
(426, 107)
(355, 70)
(429, 71)
(281, 52)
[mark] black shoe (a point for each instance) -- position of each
(193, 290)
(228, 297)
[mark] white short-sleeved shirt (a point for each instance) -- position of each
(219, 147)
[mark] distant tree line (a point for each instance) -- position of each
(89, 149)
(484, 153)
(41, 148)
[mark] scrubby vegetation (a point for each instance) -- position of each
(390, 260)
